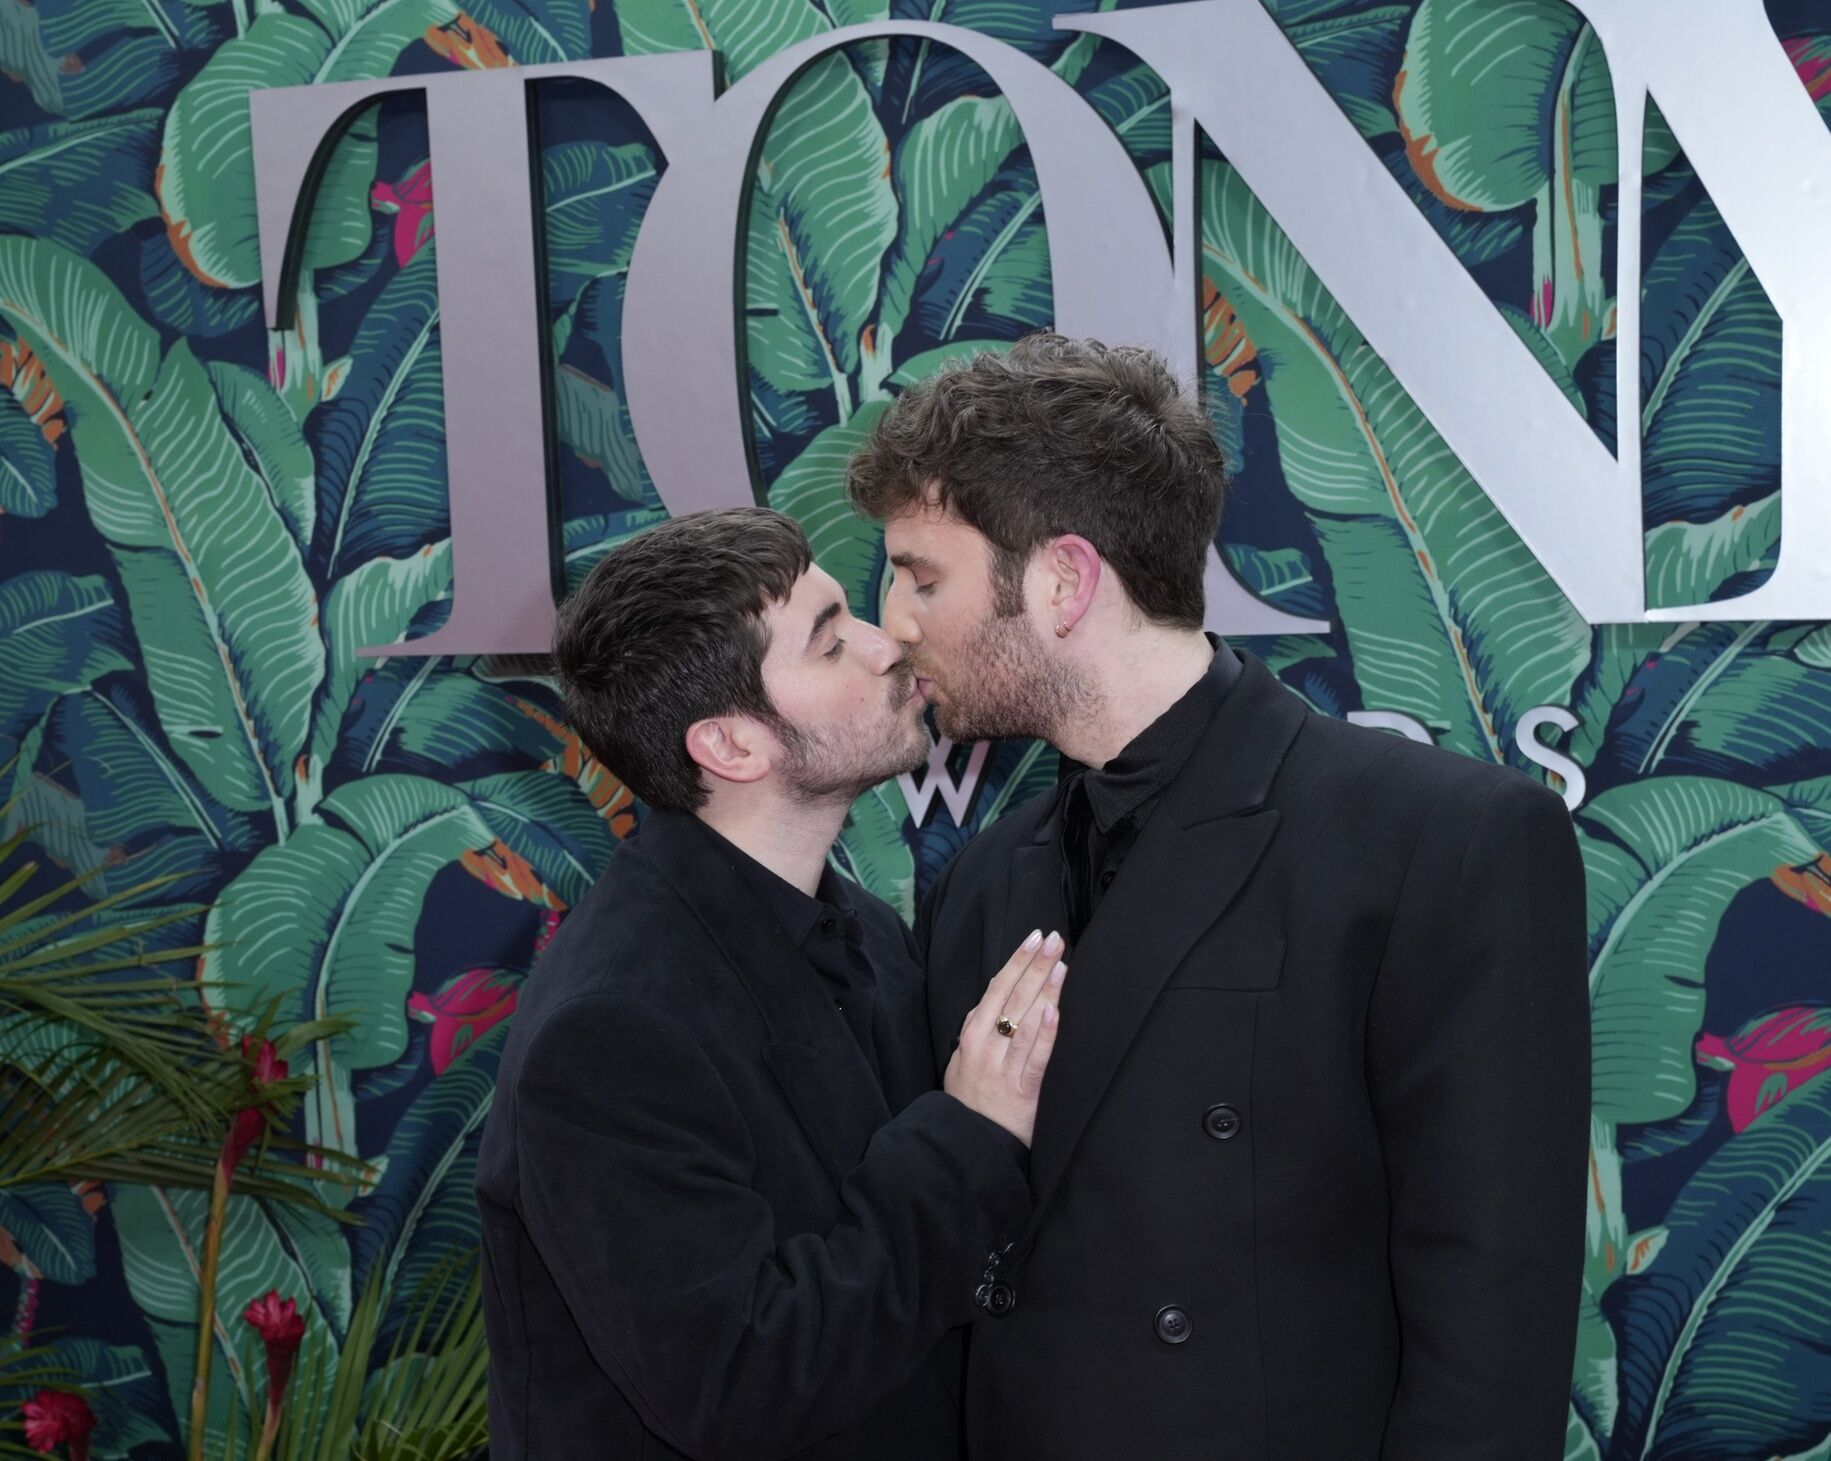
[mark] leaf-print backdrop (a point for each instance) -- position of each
(202, 522)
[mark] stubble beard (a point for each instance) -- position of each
(836, 764)
(1008, 687)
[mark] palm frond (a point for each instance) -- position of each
(433, 1401)
(105, 1076)
(426, 1401)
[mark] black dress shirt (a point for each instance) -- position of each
(825, 928)
(1104, 807)
(829, 933)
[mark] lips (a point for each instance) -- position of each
(923, 686)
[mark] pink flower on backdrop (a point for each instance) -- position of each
(1769, 1058)
(1811, 58)
(464, 1010)
(410, 201)
(55, 1418)
(1541, 306)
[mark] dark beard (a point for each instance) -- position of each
(825, 765)
(1017, 692)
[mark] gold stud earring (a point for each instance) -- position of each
(1061, 631)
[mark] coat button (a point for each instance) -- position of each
(997, 1299)
(1222, 1122)
(1172, 1325)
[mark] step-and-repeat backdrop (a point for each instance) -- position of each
(1456, 350)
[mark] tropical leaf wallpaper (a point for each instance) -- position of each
(200, 523)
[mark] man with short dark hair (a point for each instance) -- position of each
(725, 1212)
(1309, 1171)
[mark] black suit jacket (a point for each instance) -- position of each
(704, 1232)
(1321, 1090)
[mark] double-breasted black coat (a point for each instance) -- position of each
(1310, 1160)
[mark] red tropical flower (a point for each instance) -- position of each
(410, 201)
(265, 1068)
(277, 1321)
(56, 1418)
(1769, 1058)
(463, 1011)
(282, 1329)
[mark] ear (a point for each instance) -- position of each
(1075, 568)
(729, 748)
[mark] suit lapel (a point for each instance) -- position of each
(1172, 887)
(833, 1096)
(1033, 894)
(814, 1057)
(1194, 854)
(905, 1059)
(809, 1050)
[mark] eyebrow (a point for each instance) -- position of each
(821, 620)
(914, 562)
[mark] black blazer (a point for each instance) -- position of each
(1311, 1155)
(704, 1233)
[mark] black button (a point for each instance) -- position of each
(1222, 1122)
(829, 925)
(1106, 878)
(997, 1299)
(1172, 1325)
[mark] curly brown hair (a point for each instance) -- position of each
(1059, 436)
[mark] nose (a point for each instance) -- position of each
(899, 616)
(886, 654)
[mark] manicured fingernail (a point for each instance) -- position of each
(1053, 943)
(1058, 973)
(1036, 937)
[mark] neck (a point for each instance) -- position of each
(1134, 680)
(790, 838)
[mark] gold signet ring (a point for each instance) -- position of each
(1006, 1026)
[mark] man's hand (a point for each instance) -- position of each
(998, 1075)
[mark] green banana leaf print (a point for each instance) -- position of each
(203, 524)
(1733, 1303)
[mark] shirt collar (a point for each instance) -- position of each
(1152, 759)
(797, 913)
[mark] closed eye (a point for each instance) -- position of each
(833, 653)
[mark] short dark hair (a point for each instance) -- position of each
(666, 630)
(1060, 436)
